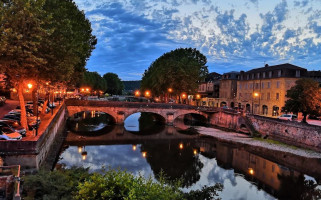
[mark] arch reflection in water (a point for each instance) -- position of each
(144, 123)
(91, 123)
(186, 124)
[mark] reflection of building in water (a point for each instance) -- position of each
(261, 169)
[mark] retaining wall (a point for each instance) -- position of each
(289, 132)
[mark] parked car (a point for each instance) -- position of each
(315, 117)
(14, 125)
(7, 133)
(289, 117)
(31, 120)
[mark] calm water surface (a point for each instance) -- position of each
(145, 146)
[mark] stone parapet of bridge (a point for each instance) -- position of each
(121, 110)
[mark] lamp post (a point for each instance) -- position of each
(169, 90)
(198, 97)
(255, 94)
(184, 96)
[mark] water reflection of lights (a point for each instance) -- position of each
(144, 154)
(134, 147)
(77, 126)
(79, 149)
(83, 152)
(84, 115)
(181, 146)
(195, 151)
(251, 171)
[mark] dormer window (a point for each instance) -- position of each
(258, 75)
(270, 74)
(248, 76)
(297, 73)
(263, 74)
(279, 73)
(252, 76)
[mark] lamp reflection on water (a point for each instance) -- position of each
(195, 151)
(134, 147)
(144, 154)
(83, 152)
(79, 149)
(181, 146)
(251, 171)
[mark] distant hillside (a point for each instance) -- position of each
(131, 85)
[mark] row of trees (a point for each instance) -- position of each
(43, 40)
(109, 83)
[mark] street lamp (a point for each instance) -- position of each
(169, 90)
(184, 95)
(137, 93)
(198, 97)
(255, 94)
(147, 94)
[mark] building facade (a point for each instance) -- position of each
(263, 90)
(228, 89)
(209, 89)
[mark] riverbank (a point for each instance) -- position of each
(233, 137)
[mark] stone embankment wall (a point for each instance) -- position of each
(289, 132)
(226, 119)
(32, 153)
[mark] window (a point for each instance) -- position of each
(257, 85)
(245, 85)
(278, 84)
(251, 85)
(263, 74)
(258, 75)
(268, 96)
(297, 74)
(262, 96)
(277, 96)
(252, 76)
(240, 86)
(270, 74)
(268, 85)
(248, 76)
(262, 86)
(279, 73)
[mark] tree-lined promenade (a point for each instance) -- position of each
(43, 41)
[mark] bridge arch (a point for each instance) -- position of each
(72, 110)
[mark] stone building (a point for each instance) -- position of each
(228, 89)
(315, 75)
(262, 90)
(209, 89)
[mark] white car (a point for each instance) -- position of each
(7, 133)
(289, 117)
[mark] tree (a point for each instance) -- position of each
(46, 40)
(304, 97)
(22, 34)
(114, 84)
(94, 81)
(180, 70)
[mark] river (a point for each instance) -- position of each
(144, 145)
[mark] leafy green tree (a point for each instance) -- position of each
(114, 84)
(304, 97)
(22, 33)
(180, 70)
(94, 81)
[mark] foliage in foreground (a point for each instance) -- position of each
(78, 183)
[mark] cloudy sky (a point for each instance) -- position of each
(232, 34)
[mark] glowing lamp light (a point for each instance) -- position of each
(79, 149)
(198, 96)
(82, 89)
(251, 171)
(195, 151)
(256, 94)
(29, 85)
(137, 93)
(87, 89)
(84, 155)
(170, 90)
(147, 93)
(181, 146)
(184, 96)
(144, 154)
(134, 147)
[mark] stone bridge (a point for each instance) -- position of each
(121, 110)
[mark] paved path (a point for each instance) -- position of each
(8, 106)
(244, 139)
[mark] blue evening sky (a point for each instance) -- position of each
(234, 35)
